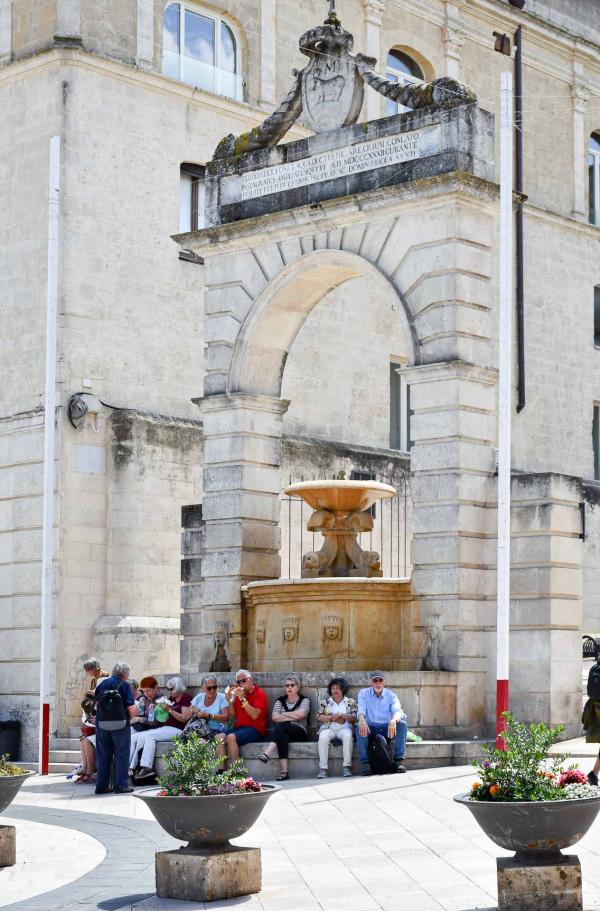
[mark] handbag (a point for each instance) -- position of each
(197, 726)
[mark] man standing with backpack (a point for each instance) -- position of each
(114, 705)
(380, 719)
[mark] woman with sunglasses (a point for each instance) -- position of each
(290, 716)
(171, 715)
(214, 708)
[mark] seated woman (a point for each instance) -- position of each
(213, 707)
(177, 707)
(337, 715)
(146, 704)
(87, 741)
(290, 714)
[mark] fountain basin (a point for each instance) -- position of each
(341, 496)
(351, 624)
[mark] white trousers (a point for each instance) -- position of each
(325, 738)
(146, 742)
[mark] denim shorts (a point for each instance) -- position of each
(247, 734)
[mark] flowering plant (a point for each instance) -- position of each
(193, 770)
(8, 768)
(525, 770)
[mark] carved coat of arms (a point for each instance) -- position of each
(332, 91)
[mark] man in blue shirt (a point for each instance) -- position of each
(379, 712)
(113, 735)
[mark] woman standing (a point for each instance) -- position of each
(337, 715)
(87, 741)
(290, 714)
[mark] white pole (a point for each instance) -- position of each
(49, 446)
(504, 398)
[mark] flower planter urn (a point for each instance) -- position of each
(536, 831)
(9, 788)
(208, 868)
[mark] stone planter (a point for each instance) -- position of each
(207, 823)
(209, 868)
(536, 831)
(9, 788)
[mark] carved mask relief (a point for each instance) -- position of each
(290, 629)
(261, 632)
(332, 627)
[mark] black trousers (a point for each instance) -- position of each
(285, 733)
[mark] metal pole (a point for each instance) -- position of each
(520, 221)
(49, 446)
(504, 399)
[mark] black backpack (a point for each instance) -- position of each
(111, 713)
(380, 758)
(593, 684)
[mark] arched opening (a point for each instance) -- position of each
(403, 68)
(267, 334)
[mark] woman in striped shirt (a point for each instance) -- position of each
(290, 717)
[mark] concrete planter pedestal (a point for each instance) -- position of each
(209, 868)
(539, 875)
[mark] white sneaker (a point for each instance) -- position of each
(322, 773)
(347, 771)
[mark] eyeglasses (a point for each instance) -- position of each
(377, 679)
(170, 689)
(241, 679)
(290, 686)
(210, 688)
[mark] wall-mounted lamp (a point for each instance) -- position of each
(502, 44)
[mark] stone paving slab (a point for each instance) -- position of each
(393, 843)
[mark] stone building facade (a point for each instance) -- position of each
(139, 329)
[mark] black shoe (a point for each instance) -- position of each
(592, 778)
(144, 773)
(365, 769)
(399, 766)
(103, 791)
(123, 790)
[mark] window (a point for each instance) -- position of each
(596, 441)
(594, 169)
(402, 69)
(200, 48)
(597, 316)
(356, 475)
(191, 197)
(399, 409)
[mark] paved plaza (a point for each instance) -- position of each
(360, 844)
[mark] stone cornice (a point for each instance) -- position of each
(211, 404)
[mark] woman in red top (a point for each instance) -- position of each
(178, 708)
(248, 704)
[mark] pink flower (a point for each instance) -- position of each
(572, 776)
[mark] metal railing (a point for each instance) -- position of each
(390, 536)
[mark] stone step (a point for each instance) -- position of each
(73, 757)
(56, 767)
(304, 757)
(64, 743)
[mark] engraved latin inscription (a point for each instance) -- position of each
(364, 156)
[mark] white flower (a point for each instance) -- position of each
(579, 791)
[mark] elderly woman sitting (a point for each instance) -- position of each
(290, 713)
(213, 707)
(177, 713)
(337, 715)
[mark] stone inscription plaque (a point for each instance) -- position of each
(363, 156)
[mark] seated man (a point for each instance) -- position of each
(379, 712)
(248, 705)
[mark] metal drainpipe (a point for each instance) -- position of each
(520, 228)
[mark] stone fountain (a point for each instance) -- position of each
(342, 614)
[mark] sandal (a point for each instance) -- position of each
(263, 757)
(83, 779)
(284, 776)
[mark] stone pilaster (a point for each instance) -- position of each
(68, 20)
(268, 45)
(374, 10)
(580, 94)
(5, 31)
(144, 54)
(546, 590)
(453, 40)
(453, 430)
(240, 510)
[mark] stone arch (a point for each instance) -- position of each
(278, 313)
(267, 333)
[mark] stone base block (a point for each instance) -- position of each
(8, 846)
(533, 887)
(208, 876)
